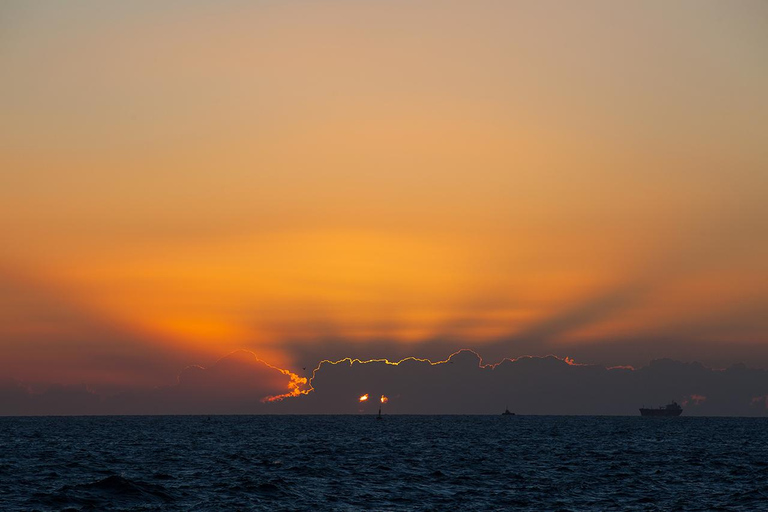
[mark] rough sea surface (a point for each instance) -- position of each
(398, 463)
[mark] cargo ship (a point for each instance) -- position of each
(668, 410)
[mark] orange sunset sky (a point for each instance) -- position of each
(179, 180)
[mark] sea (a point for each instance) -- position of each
(440, 463)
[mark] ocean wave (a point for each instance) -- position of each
(353, 463)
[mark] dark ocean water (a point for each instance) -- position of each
(399, 463)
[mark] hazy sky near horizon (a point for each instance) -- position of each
(183, 179)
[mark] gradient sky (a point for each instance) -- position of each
(179, 180)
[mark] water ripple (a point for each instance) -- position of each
(401, 463)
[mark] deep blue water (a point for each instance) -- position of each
(400, 463)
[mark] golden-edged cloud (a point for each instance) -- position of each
(273, 177)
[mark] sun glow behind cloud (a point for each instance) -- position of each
(244, 176)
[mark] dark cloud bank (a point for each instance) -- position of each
(242, 384)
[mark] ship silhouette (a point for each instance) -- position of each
(671, 409)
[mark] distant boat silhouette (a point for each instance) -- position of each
(378, 417)
(669, 410)
(507, 412)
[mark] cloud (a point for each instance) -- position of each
(694, 400)
(18, 399)
(240, 373)
(462, 384)
(241, 383)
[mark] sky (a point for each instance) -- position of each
(379, 179)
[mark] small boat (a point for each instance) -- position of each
(507, 412)
(378, 417)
